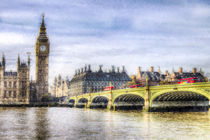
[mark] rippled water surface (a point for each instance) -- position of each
(75, 124)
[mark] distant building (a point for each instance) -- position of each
(85, 80)
(15, 86)
(60, 87)
(176, 76)
(154, 77)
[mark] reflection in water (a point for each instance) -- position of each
(41, 124)
(72, 123)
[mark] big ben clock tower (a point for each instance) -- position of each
(42, 49)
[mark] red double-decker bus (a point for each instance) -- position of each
(188, 80)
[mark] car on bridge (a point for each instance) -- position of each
(108, 88)
(134, 86)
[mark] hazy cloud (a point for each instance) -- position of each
(161, 33)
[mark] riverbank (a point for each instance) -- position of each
(35, 105)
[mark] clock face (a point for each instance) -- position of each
(42, 48)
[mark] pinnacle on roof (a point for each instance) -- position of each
(3, 59)
(18, 60)
(42, 31)
(42, 27)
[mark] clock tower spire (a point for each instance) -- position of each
(42, 49)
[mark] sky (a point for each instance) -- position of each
(162, 33)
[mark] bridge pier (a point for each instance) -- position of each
(146, 106)
(89, 102)
(109, 105)
(76, 102)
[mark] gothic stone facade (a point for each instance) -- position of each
(14, 86)
(61, 87)
(86, 81)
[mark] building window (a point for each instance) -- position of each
(23, 93)
(10, 84)
(14, 94)
(14, 85)
(10, 93)
(5, 94)
(5, 84)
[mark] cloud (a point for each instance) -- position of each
(131, 33)
(12, 38)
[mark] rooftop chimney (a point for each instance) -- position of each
(194, 70)
(118, 69)
(89, 68)
(138, 73)
(151, 69)
(166, 72)
(180, 70)
(200, 71)
(85, 68)
(123, 68)
(113, 68)
(159, 70)
(100, 68)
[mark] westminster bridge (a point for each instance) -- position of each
(194, 95)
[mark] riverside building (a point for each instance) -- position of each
(60, 87)
(156, 77)
(86, 81)
(14, 86)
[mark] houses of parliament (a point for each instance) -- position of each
(16, 87)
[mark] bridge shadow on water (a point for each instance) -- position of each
(140, 108)
(181, 109)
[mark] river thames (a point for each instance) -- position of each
(89, 124)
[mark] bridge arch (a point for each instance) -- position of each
(71, 102)
(128, 101)
(186, 98)
(83, 100)
(200, 92)
(140, 94)
(99, 102)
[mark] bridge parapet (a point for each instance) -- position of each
(205, 85)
